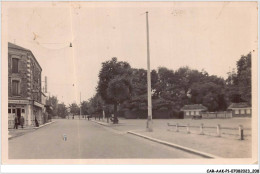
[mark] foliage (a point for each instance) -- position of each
(62, 110)
(74, 109)
(95, 104)
(110, 69)
(238, 84)
(53, 102)
(84, 108)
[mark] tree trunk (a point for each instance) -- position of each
(115, 120)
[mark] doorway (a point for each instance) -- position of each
(18, 112)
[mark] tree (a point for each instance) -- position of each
(244, 77)
(114, 75)
(238, 84)
(62, 110)
(119, 89)
(74, 109)
(95, 104)
(209, 94)
(84, 108)
(53, 102)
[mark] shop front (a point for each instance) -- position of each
(18, 108)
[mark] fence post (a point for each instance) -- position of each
(241, 132)
(218, 131)
(201, 129)
(177, 128)
(188, 128)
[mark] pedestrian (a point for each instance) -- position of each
(16, 122)
(36, 122)
(22, 121)
(88, 117)
(73, 117)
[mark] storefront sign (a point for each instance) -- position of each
(18, 102)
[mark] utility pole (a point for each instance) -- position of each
(149, 126)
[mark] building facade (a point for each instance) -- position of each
(240, 109)
(194, 110)
(24, 86)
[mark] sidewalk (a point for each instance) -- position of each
(226, 146)
(12, 133)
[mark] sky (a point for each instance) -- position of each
(202, 35)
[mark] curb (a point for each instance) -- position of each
(35, 128)
(104, 124)
(203, 154)
(44, 125)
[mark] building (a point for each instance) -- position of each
(24, 86)
(194, 110)
(240, 109)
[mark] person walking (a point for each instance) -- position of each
(16, 122)
(22, 121)
(36, 122)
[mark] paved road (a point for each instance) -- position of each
(85, 140)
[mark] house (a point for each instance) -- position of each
(240, 109)
(194, 110)
(24, 86)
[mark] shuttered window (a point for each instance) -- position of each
(15, 87)
(15, 65)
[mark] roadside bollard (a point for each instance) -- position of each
(218, 131)
(241, 132)
(188, 129)
(201, 129)
(177, 127)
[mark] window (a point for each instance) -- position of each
(13, 111)
(15, 87)
(22, 110)
(192, 112)
(248, 111)
(236, 111)
(196, 112)
(15, 65)
(242, 111)
(9, 111)
(187, 112)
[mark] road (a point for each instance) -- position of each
(86, 140)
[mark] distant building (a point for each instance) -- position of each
(193, 110)
(24, 86)
(240, 109)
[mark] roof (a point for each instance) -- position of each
(239, 105)
(194, 107)
(11, 45)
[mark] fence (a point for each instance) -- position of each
(223, 114)
(217, 130)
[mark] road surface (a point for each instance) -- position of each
(87, 140)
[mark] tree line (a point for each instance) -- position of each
(121, 87)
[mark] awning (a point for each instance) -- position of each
(35, 103)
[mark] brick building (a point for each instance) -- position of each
(24, 86)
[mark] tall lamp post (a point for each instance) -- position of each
(149, 126)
